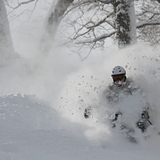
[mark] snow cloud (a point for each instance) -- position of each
(71, 85)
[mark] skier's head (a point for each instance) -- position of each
(118, 75)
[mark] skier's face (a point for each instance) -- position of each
(119, 79)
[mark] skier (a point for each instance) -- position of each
(120, 89)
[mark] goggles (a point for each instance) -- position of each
(118, 77)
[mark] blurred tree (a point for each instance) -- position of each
(56, 13)
(6, 45)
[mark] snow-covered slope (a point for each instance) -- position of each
(31, 129)
(42, 103)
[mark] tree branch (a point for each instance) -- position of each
(148, 24)
(106, 1)
(104, 36)
(101, 21)
(19, 4)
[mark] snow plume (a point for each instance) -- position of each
(84, 87)
(71, 85)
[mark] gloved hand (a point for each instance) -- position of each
(144, 122)
(114, 117)
(145, 115)
(142, 126)
(87, 112)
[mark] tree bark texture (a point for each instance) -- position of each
(123, 23)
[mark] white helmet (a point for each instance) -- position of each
(118, 70)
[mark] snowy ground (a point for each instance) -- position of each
(33, 130)
(42, 103)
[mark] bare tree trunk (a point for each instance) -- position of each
(53, 21)
(125, 22)
(56, 16)
(6, 45)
